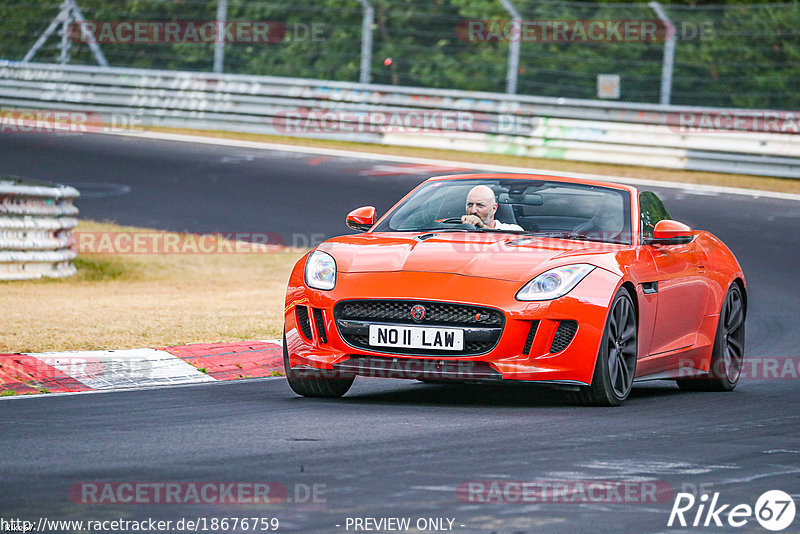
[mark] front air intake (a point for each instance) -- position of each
(303, 322)
(531, 335)
(564, 334)
(319, 320)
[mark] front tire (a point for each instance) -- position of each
(616, 360)
(728, 353)
(315, 383)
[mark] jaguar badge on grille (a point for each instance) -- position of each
(418, 313)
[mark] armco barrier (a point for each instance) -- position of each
(583, 130)
(36, 221)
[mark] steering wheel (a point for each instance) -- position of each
(451, 220)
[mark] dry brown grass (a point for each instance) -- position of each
(147, 300)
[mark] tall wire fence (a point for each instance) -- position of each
(723, 55)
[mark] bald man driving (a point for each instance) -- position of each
(481, 207)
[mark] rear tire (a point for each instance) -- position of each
(616, 360)
(728, 353)
(315, 383)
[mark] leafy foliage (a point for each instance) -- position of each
(728, 54)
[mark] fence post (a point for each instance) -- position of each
(366, 41)
(63, 15)
(65, 44)
(669, 53)
(69, 11)
(219, 44)
(513, 48)
(85, 34)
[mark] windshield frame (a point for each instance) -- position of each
(625, 236)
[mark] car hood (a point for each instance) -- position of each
(489, 255)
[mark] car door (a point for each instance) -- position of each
(681, 293)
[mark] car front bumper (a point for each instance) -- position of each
(525, 350)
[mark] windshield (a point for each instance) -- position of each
(539, 207)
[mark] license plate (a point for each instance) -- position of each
(416, 337)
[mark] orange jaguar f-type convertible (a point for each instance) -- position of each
(573, 283)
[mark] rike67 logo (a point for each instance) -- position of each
(774, 510)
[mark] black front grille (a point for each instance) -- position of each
(564, 334)
(482, 326)
(399, 311)
(302, 319)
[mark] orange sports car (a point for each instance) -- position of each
(578, 284)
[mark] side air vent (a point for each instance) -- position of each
(319, 320)
(531, 335)
(564, 334)
(302, 320)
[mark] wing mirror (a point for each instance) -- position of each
(361, 219)
(668, 232)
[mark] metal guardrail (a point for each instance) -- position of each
(36, 222)
(581, 130)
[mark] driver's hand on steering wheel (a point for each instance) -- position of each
(473, 220)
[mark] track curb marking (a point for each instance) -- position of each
(80, 371)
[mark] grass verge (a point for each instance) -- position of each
(118, 301)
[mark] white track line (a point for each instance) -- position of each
(686, 187)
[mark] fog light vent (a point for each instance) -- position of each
(564, 334)
(319, 320)
(531, 335)
(302, 320)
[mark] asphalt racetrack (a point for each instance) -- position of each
(390, 448)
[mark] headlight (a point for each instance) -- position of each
(320, 270)
(554, 283)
